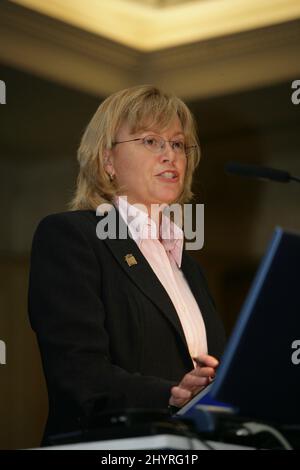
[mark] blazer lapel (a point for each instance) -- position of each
(143, 276)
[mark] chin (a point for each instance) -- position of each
(164, 197)
(167, 201)
(169, 198)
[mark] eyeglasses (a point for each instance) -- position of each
(157, 144)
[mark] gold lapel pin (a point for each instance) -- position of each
(130, 259)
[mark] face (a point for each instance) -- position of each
(145, 174)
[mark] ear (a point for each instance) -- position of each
(108, 162)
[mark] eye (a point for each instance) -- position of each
(151, 141)
(178, 144)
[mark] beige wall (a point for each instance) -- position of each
(23, 404)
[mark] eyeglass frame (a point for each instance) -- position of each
(161, 140)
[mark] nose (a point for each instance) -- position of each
(167, 153)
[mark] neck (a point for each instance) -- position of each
(154, 210)
(155, 213)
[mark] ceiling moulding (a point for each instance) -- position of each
(148, 28)
(234, 63)
(65, 54)
(164, 3)
(59, 52)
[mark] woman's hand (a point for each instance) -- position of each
(193, 382)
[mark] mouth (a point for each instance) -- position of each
(168, 176)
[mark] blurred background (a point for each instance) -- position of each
(232, 61)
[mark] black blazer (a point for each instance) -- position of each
(108, 332)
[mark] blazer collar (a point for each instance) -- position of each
(141, 226)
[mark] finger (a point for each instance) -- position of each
(178, 392)
(205, 360)
(179, 399)
(179, 396)
(178, 402)
(203, 372)
(193, 382)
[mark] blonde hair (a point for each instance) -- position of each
(142, 107)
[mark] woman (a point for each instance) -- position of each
(124, 321)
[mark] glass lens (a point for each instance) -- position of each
(153, 143)
(157, 144)
(178, 146)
